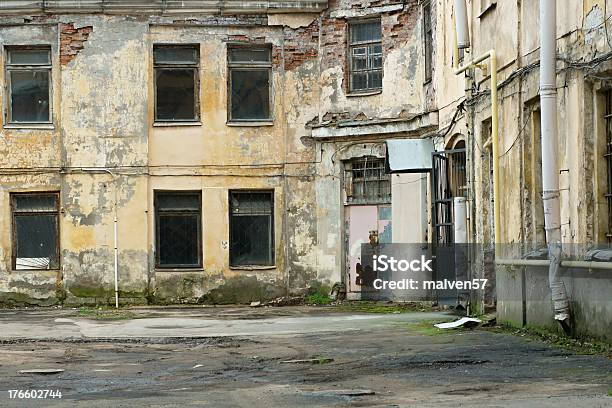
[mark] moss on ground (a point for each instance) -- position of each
(101, 313)
(318, 299)
(383, 308)
(574, 345)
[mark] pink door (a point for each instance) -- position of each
(363, 224)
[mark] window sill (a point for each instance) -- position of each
(171, 124)
(54, 270)
(195, 269)
(251, 124)
(46, 126)
(253, 267)
(369, 93)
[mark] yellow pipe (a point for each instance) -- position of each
(494, 130)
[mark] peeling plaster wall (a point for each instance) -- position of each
(103, 119)
(403, 96)
(512, 29)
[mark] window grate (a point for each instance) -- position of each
(251, 228)
(35, 231)
(178, 229)
(367, 182)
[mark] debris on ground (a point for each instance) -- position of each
(467, 322)
(286, 301)
(344, 393)
(320, 360)
(255, 304)
(42, 371)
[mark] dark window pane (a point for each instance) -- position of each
(29, 96)
(29, 57)
(360, 81)
(175, 55)
(178, 202)
(250, 94)
(36, 242)
(178, 240)
(252, 203)
(375, 79)
(251, 229)
(249, 55)
(251, 240)
(175, 94)
(35, 203)
(365, 31)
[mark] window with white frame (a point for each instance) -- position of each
(28, 76)
(365, 56)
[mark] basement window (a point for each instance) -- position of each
(28, 76)
(427, 41)
(178, 229)
(176, 83)
(251, 228)
(250, 72)
(35, 231)
(365, 56)
(366, 182)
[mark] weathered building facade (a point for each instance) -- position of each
(242, 150)
(203, 152)
(511, 29)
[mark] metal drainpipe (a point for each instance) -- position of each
(550, 168)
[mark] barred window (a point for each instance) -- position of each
(35, 231)
(365, 58)
(28, 73)
(178, 229)
(366, 181)
(176, 82)
(250, 72)
(251, 228)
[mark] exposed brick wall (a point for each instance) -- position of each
(397, 29)
(72, 41)
(333, 42)
(301, 44)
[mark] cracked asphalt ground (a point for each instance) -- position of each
(391, 356)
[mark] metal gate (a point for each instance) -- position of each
(448, 181)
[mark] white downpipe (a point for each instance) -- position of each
(461, 24)
(550, 167)
(460, 239)
(460, 218)
(116, 255)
